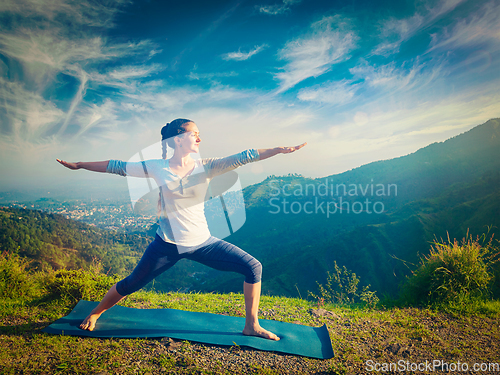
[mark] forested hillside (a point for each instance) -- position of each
(56, 242)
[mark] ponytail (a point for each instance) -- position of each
(164, 149)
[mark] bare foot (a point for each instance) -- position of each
(89, 323)
(260, 332)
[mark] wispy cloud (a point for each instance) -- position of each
(241, 56)
(329, 42)
(45, 52)
(94, 115)
(90, 13)
(50, 50)
(42, 49)
(125, 77)
(177, 98)
(276, 9)
(27, 114)
(480, 28)
(335, 93)
(210, 76)
(393, 78)
(397, 31)
(77, 99)
(131, 72)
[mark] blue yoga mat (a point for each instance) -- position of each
(126, 322)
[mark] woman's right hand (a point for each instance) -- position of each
(69, 165)
(287, 150)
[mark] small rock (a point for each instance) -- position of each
(405, 353)
(322, 312)
(171, 344)
(393, 348)
(174, 345)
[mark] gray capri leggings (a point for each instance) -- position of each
(215, 253)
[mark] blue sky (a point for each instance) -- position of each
(358, 80)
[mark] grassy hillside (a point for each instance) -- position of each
(361, 338)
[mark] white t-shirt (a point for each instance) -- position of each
(182, 219)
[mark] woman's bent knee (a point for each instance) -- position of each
(255, 274)
(124, 289)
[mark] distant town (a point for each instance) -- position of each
(107, 214)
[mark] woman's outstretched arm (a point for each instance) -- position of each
(95, 166)
(265, 153)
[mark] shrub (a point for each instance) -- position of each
(453, 272)
(342, 287)
(80, 284)
(15, 281)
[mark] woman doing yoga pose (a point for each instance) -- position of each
(183, 230)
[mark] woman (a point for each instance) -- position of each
(183, 230)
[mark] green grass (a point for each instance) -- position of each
(31, 301)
